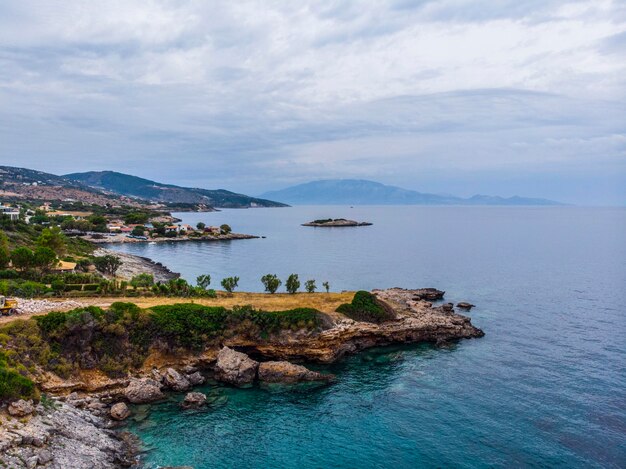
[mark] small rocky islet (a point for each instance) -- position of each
(78, 425)
(336, 222)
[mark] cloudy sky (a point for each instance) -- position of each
(499, 97)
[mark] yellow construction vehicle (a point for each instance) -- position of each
(8, 306)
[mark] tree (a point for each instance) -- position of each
(201, 226)
(225, 229)
(54, 239)
(107, 264)
(138, 230)
(44, 259)
(310, 286)
(203, 281)
(136, 218)
(22, 258)
(5, 255)
(293, 283)
(271, 283)
(326, 286)
(230, 283)
(142, 280)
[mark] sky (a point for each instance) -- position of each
(498, 97)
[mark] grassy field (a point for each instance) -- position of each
(325, 302)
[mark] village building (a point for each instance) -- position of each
(12, 212)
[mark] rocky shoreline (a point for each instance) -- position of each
(74, 430)
(124, 239)
(134, 265)
(60, 435)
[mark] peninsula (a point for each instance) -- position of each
(336, 222)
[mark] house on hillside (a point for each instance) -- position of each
(12, 212)
(185, 228)
(215, 230)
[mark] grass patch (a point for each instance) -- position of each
(365, 307)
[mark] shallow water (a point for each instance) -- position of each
(546, 386)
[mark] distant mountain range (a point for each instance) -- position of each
(145, 189)
(111, 188)
(362, 192)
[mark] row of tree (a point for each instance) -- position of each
(271, 282)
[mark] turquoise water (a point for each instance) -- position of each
(546, 386)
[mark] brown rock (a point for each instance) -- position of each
(21, 408)
(465, 305)
(119, 411)
(193, 400)
(174, 380)
(235, 367)
(196, 378)
(286, 372)
(142, 391)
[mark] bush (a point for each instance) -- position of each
(9, 274)
(13, 385)
(365, 307)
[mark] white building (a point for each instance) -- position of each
(12, 212)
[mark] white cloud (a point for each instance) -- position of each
(291, 90)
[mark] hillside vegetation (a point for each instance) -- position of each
(118, 339)
(134, 186)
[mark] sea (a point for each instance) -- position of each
(545, 386)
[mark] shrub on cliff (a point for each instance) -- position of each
(13, 385)
(365, 307)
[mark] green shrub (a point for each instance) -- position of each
(13, 385)
(365, 307)
(9, 274)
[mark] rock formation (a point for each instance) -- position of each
(235, 368)
(62, 436)
(286, 372)
(175, 381)
(143, 390)
(119, 411)
(21, 408)
(193, 400)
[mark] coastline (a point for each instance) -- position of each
(133, 264)
(84, 422)
(122, 238)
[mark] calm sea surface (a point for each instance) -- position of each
(546, 386)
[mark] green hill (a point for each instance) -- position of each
(146, 189)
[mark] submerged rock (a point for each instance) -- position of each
(21, 408)
(235, 367)
(196, 378)
(464, 305)
(142, 391)
(194, 400)
(286, 372)
(119, 411)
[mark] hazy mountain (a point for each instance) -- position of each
(146, 189)
(362, 192)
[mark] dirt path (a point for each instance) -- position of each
(325, 302)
